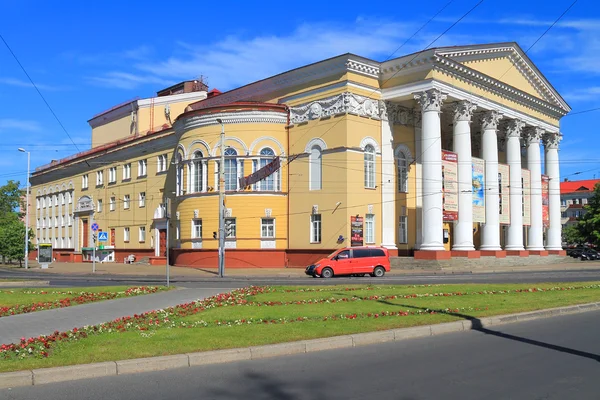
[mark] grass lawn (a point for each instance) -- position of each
(19, 301)
(256, 316)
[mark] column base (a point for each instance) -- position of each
(463, 248)
(557, 252)
(432, 255)
(517, 253)
(464, 253)
(536, 248)
(493, 253)
(542, 253)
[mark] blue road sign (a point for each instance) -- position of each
(103, 236)
(94, 227)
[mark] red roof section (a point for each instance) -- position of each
(578, 186)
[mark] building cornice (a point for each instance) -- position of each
(230, 117)
(343, 103)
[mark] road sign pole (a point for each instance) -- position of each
(94, 258)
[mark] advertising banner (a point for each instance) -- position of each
(356, 230)
(261, 174)
(450, 185)
(504, 193)
(478, 166)
(546, 200)
(526, 197)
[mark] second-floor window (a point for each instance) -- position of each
(99, 178)
(126, 202)
(112, 174)
(142, 199)
(142, 168)
(126, 171)
(161, 165)
(84, 181)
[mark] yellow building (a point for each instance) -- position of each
(434, 154)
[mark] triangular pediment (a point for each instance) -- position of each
(508, 63)
(583, 188)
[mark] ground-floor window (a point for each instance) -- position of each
(126, 234)
(230, 228)
(142, 233)
(197, 228)
(315, 228)
(267, 228)
(370, 228)
(403, 229)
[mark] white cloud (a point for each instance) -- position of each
(590, 93)
(126, 80)
(8, 124)
(21, 83)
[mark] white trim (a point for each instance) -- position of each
(265, 138)
(191, 148)
(234, 117)
(173, 98)
(459, 94)
(404, 149)
(315, 141)
(369, 140)
(233, 139)
(184, 151)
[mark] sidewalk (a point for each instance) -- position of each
(208, 273)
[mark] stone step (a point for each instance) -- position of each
(477, 263)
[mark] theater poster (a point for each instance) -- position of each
(478, 167)
(356, 230)
(526, 176)
(546, 200)
(504, 195)
(450, 185)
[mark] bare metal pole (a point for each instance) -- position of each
(222, 202)
(27, 210)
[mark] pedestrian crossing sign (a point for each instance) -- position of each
(103, 236)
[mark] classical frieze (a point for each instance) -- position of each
(344, 103)
(398, 114)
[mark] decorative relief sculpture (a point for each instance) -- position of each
(552, 140)
(345, 103)
(490, 120)
(431, 100)
(463, 111)
(533, 134)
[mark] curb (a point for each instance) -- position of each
(113, 368)
(24, 283)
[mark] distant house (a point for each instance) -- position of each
(574, 195)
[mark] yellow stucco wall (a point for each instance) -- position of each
(114, 130)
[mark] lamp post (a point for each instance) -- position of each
(222, 202)
(22, 150)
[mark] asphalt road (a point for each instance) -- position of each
(215, 282)
(553, 358)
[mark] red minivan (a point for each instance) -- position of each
(352, 261)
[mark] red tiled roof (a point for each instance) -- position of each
(578, 186)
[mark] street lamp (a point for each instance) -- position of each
(222, 202)
(22, 150)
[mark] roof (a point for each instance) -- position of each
(578, 186)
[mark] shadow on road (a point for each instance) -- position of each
(477, 325)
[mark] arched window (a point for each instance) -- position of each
(315, 168)
(369, 159)
(179, 161)
(402, 171)
(197, 172)
(230, 169)
(266, 156)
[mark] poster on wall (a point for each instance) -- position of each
(546, 200)
(356, 231)
(450, 185)
(504, 193)
(526, 176)
(478, 167)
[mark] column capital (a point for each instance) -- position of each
(513, 128)
(463, 110)
(397, 114)
(533, 134)
(430, 100)
(552, 139)
(490, 119)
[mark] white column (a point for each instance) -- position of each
(388, 187)
(534, 164)
(554, 241)
(490, 232)
(514, 241)
(431, 143)
(418, 160)
(463, 230)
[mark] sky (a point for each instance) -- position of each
(86, 57)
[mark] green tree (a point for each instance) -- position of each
(589, 225)
(572, 235)
(10, 199)
(12, 229)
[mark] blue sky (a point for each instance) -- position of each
(86, 57)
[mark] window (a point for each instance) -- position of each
(197, 172)
(161, 166)
(402, 171)
(99, 205)
(369, 160)
(361, 253)
(177, 231)
(111, 205)
(267, 228)
(370, 228)
(126, 199)
(315, 165)
(142, 199)
(179, 176)
(231, 180)
(563, 202)
(345, 254)
(126, 234)
(126, 171)
(112, 174)
(142, 168)
(197, 229)
(142, 233)
(99, 178)
(230, 228)
(315, 228)
(403, 227)
(84, 181)
(266, 156)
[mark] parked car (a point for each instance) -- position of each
(589, 255)
(374, 261)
